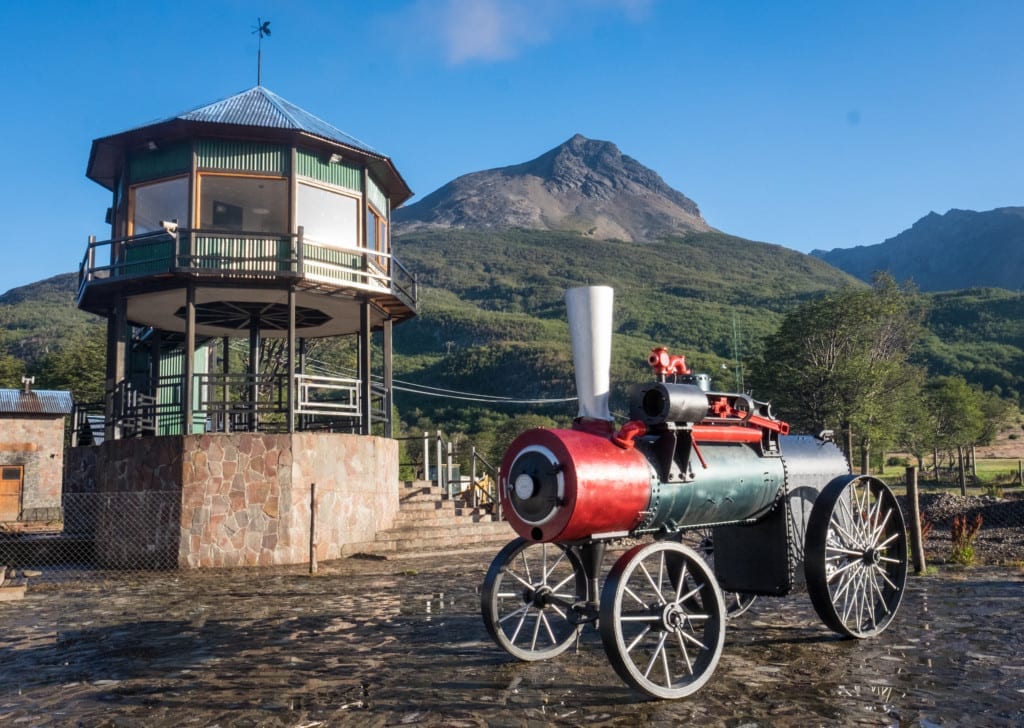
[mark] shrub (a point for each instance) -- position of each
(994, 490)
(964, 533)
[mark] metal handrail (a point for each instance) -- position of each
(483, 490)
(162, 252)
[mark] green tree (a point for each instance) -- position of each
(12, 370)
(79, 366)
(841, 361)
(959, 420)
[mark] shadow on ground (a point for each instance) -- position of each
(402, 642)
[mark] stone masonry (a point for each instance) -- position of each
(36, 443)
(235, 499)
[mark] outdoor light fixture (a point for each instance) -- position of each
(334, 159)
(151, 145)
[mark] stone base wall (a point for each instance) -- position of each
(231, 499)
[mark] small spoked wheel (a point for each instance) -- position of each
(662, 619)
(701, 541)
(528, 599)
(856, 556)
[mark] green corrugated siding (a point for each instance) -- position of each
(163, 162)
(146, 257)
(343, 174)
(168, 395)
(242, 156)
(172, 364)
(378, 199)
(243, 254)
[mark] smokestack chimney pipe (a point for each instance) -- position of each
(590, 327)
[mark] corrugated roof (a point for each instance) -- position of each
(256, 108)
(261, 107)
(36, 402)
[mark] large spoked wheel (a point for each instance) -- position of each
(856, 556)
(662, 619)
(528, 596)
(701, 541)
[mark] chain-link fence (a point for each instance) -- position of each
(122, 532)
(95, 531)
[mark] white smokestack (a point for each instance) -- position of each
(590, 326)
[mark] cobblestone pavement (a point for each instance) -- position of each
(381, 643)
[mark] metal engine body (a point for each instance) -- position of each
(687, 459)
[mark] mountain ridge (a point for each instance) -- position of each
(957, 250)
(583, 185)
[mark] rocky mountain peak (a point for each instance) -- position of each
(584, 185)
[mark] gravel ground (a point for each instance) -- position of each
(1000, 541)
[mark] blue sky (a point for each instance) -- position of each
(809, 124)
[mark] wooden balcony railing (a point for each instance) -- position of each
(245, 256)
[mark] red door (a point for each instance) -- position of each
(11, 479)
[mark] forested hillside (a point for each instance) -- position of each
(979, 335)
(38, 318)
(492, 321)
(493, 316)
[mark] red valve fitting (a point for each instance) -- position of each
(627, 434)
(664, 363)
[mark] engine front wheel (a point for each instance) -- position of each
(662, 619)
(528, 597)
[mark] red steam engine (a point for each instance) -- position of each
(710, 501)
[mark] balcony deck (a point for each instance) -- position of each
(163, 261)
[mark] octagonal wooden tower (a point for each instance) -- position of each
(247, 219)
(240, 222)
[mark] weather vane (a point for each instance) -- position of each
(262, 29)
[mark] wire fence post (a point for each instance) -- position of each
(448, 469)
(312, 528)
(439, 479)
(472, 477)
(426, 456)
(916, 547)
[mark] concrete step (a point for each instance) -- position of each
(389, 547)
(468, 530)
(428, 520)
(429, 514)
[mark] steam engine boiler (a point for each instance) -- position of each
(711, 501)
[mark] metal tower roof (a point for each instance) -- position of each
(255, 109)
(261, 107)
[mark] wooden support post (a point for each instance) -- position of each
(916, 547)
(365, 383)
(312, 528)
(225, 372)
(255, 352)
(389, 401)
(189, 370)
(292, 344)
